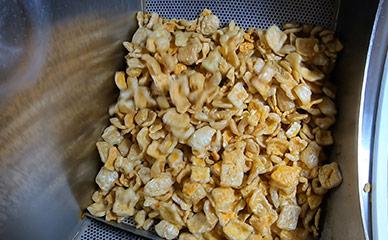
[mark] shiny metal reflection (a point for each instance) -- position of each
(57, 62)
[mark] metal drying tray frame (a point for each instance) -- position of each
(129, 226)
(248, 14)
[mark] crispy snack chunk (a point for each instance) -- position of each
(220, 132)
(125, 201)
(237, 230)
(288, 217)
(106, 178)
(285, 177)
(158, 186)
(166, 230)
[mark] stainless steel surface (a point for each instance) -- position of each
(379, 194)
(93, 229)
(127, 225)
(252, 13)
(57, 60)
(347, 212)
(373, 128)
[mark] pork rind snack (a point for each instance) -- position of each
(220, 132)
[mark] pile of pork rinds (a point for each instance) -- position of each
(219, 132)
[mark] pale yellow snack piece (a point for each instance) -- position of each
(231, 175)
(367, 187)
(148, 223)
(211, 63)
(285, 176)
(170, 213)
(275, 38)
(124, 165)
(232, 168)
(259, 204)
(175, 161)
(186, 236)
(288, 217)
(310, 155)
(120, 80)
(140, 218)
(305, 46)
(297, 234)
(103, 150)
(112, 135)
(330, 175)
(262, 224)
(293, 130)
(238, 95)
(194, 191)
(166, 230)
(98, 209)
(106, 179)
(314, 201)
(124, 205)
(158, 186)
(200, 140)
(237, 230)
(311, 75)
(198, 223)
(208, 23)
(303, 92)
(200, 174)
(223, 198)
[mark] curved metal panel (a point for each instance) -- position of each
(57, 59)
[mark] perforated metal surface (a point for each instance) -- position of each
(95, 230)
(246, 13)
(252, 13)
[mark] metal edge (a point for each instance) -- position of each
(82, 226)
(126, 227)
(143, 5)
(366, 127)
(336, 14)
(379, 165)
